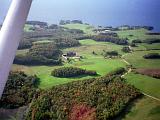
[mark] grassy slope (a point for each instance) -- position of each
(137, 34)
(47, 81)
(88, 46)
(90, 62)
(27, 28)
(144, 109)
(146, 84)
(86, 28)
(22, 52)
(137, 60)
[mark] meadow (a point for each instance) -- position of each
(136, 34)
(137, 60)
(89, 62)
(145, 84)
(145, 107)
(88, 29)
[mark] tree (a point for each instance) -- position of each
(152, 56)
(111, 54)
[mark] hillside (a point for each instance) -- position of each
(64, 58)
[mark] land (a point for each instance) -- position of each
(92, 53)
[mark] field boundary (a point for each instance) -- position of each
(157, 99)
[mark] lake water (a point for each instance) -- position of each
(96, 12)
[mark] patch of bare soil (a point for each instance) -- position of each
(149, 72)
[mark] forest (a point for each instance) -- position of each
(40, 54)
(19, 91)
(84, 100)
(112, 39)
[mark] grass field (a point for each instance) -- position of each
(101, 65)
(146, 84)
(43, 41)
(137, 60)
(27, 28)
(86, 28)
(144, 109)
(88, 46)
(151, 46)
(22, 52)
(89, 62)
(136, 34)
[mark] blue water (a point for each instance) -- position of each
(96, 12)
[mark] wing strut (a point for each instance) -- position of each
(10, 35)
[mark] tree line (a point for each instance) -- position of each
(108, 38)
(152, 56)
(19, 90)
(72, 72)
(40, 54)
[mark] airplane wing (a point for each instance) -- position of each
(10, 35)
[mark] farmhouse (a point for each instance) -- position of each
(101, 30)
(71, 55)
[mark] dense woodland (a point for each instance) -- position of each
(112, 39)
(66, 42)
(152, 56)
(72, 72)
(84, 99)
(110, 54)
(37, 23)
(151, 41)
(63, 22)
(19, 90)
(25, 44)
(59, 35)
(40, 54)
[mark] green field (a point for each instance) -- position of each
(89, 62)
(22, 52)
(144, 109)
(137, 60)
(43, 41)
(146, 84)
(86, 28)
(152, 46)
(47, 81)
(136, 34)
(88, 46)
(27, 28)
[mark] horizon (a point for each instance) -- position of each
(105, 13)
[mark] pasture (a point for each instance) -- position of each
(89, 62)
(136, 59)
(86, 28)
(144, 108)
(136, 34)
